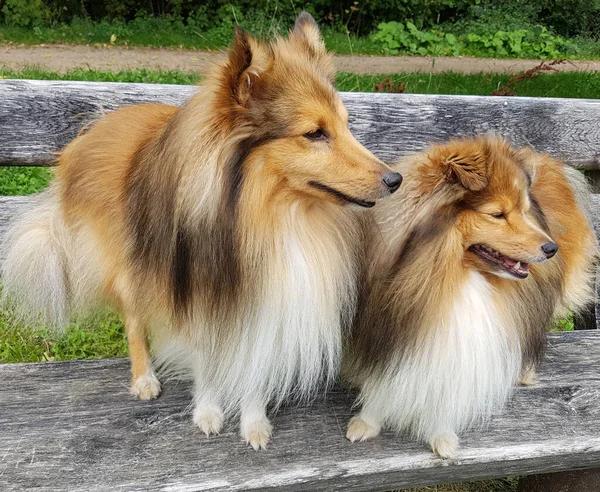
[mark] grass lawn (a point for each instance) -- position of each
(102, 335)
(560, 84)
(161, 32)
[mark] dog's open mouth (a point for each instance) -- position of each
(340, 195)
(518, 269)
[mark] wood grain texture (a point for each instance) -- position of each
(73, 426)
(37, 118)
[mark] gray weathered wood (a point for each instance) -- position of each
(38, 118)
(73, 426)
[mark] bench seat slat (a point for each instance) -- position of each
(73, 425)
(37, 118)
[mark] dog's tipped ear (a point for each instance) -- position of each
(306, 32)
(469, 169)
(530, 160)
(248, 59)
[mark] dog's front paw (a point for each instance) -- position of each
(146, 386)
(445, 445)
(361, 430)
(257, 433)
(209, 419)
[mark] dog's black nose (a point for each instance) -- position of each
(392, 181)
(550, 249)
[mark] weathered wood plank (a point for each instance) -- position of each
(73, 426)
(38, 118)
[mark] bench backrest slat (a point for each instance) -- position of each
(37, 118)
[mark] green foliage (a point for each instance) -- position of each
(24, 13)
(360, 17)
(15, 181)
(98, 336)
(396, 37)
(565, 84)
(432, 27)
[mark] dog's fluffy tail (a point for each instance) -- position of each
(42, 257)
(582, 191)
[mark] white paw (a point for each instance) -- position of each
(361, 430)
(145, 387)
(528, 377)
(209, 419)
(445, 445)
(257, 433)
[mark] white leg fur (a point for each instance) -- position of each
(146, 386)
(255, 427)
(209, 417)
(444, 444)
(208, 414)
(361, 428)
(454, 379)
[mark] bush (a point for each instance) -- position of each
(396, 37)
(24, 13)
(360, 17)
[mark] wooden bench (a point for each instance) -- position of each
(73, 425)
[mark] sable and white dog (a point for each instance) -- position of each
(470, 262)
(219, 229)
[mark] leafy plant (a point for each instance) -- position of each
(24, 13)
(396, 37)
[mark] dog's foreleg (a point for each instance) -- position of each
(144, 383)
(255, 427)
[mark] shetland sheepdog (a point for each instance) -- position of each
(220, 230)
(483, 247)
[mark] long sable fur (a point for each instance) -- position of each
(420, 268)
(202, 226)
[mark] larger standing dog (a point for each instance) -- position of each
(482, 248)
(221, 229)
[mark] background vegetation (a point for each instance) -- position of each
(509, 28)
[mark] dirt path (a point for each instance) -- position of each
(65, 57)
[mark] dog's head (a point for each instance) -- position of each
(279, 97)
(502, 226)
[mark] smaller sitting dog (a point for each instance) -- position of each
(482, 248)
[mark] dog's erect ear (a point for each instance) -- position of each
(530, 160)
(469, 169)
(248, 59)
(306, 32)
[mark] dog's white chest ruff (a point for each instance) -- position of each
(459, 372)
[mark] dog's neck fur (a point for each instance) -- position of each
(272, 268)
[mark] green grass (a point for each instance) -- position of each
(163, 33)
(96, 337)
(562, 84)
(171, 33)
(16, 181)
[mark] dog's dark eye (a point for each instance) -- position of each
(499, 215)
(316, 135)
